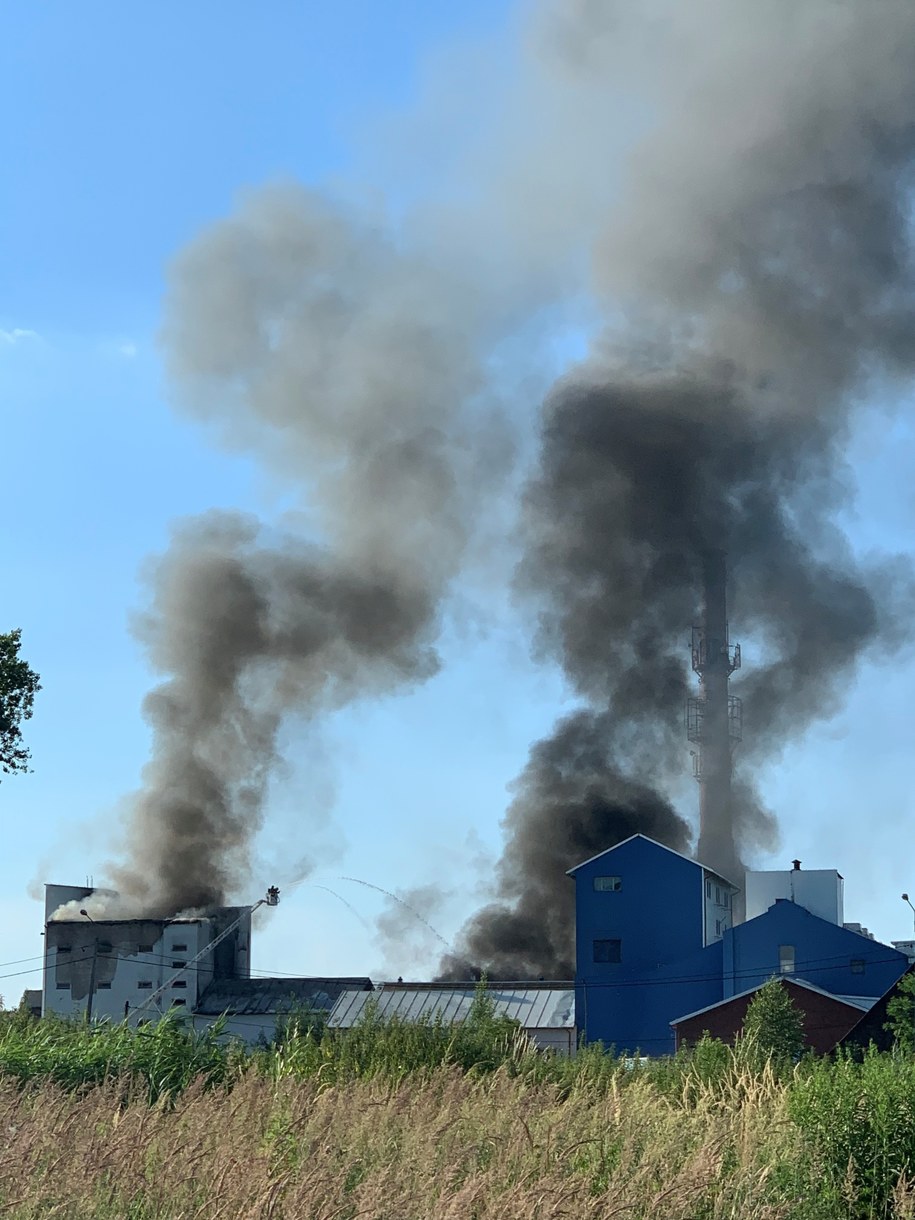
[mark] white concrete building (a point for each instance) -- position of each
(135, 968)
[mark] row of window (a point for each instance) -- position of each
(105, 947)
(613, 885)
(142, 985)
(609, 950)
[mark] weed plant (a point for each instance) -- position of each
(420, 1120)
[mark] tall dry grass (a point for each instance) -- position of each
(440, 1144)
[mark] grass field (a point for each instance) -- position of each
(405, 1122)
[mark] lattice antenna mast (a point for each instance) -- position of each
(714, 720)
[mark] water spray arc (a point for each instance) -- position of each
(714, 719)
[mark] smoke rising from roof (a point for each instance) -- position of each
(309, 338)
(760, 259)
(751, 257)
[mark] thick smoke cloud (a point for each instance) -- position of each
(346, 366)
(750, 260)
(760, 267)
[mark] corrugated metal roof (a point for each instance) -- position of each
(532, 1007)
(268, 995)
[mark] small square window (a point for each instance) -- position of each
(857, 965)
(608, 950)
(180, 983)
(786, 959)
(64, 948)
(144, 948)
(610, 885)
(144, 985)
(63, 986)
(179, 1003)
(178, 965)
(104, 987)
(179, 948)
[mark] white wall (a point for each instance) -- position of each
(820, 891)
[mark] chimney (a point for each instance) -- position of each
(797, 865)
(714, 719)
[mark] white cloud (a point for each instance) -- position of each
(17, 335)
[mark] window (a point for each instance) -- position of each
(104, 947)
(179, 948)
(718, 894)
(144, 985)
(178, 965)
(727, 900)
(857, 965)
(63, 986)
(708, 889)
(608, 884)
(179, 1003)
(786, 959)
(608, 950)
(104, 987)
(64, 948)
(180, 983)
(717, 927)
(144, 948)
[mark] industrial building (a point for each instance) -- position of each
(656, 944)
(661, 957)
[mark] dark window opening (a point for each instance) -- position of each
(610, 885)
(144, 948)
(607, 950)
(178, 965)
(857, 965)
(64, 948)
(180, 983)
(104, 987)
(179, 1003)
(104, 947)
(144, 985)
(786, 959)
(179, 948)
(63, 986)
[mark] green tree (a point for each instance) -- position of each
(774, 1025)
(900, 1010)
(18, 686)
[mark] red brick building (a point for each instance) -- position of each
(827, 1018)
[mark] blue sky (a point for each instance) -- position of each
(128, 130)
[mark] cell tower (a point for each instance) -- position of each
(714, 720)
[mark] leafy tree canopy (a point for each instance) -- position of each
(18, 686)
(774, 1025)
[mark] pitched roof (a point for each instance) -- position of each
(570, 872)
(862, 1003)
(551, 1007)
(275, 995)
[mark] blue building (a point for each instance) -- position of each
(656, 939)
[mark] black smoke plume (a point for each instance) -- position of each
(305, 336)
(760, 254)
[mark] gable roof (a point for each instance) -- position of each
(622, 843)
(862, 1003)
(870, 1028)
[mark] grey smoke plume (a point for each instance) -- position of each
(760, 257)
(344, 364)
